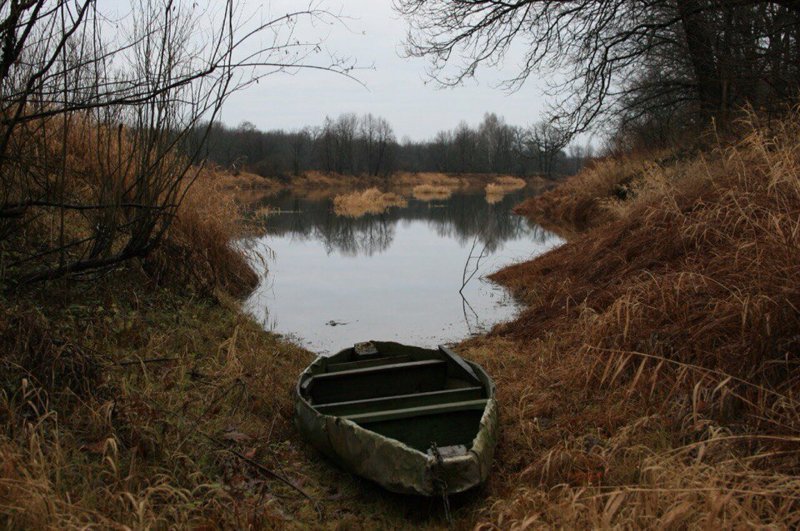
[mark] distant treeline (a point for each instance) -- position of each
(366, 145)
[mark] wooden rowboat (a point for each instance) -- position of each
(414, 420)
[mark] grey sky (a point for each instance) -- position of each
(396, 87)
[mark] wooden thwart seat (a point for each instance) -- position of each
(363, 364)
(373, 405)
(437, 409)
(375, 382)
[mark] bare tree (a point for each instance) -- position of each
(465, 146)
(124, 98)
(543, 143)
(709, 54)
(369, 140)
(498, 139)
(301, 145)
(346, 128)
(376, 136)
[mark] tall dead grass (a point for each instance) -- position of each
(132, 404)
(659, 350)
(97, 171)
(243, 181)
(314, 180)
(583, 201)
(131, 419)
(200, 246)
(103, 382)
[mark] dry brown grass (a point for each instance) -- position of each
(504, 184)
(320, 180)
(107, 424)
(651, 381)
(109, 385)
(97, 169)
(242, 181)
(499, 187)
(369, 201)
(143, 398)
(583, 201)
(432, 192)
(408, 179)
(199, 248)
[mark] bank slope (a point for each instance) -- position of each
(651, 380)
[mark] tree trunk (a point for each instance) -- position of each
(701, 54)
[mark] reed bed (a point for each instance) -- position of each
(369, 201)
(243, 181)
(407, 179)
(329, 181)
(432, 192)
(505, 184)
(497, 189)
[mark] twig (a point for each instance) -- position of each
(265, 470)
(251, 462)
(464, 305)
(148, 360)
(464, 278)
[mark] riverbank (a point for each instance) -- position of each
(142, 406)
(144, 397)
(650, 382)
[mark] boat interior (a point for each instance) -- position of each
(416, 396)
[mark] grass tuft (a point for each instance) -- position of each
(432, 192)
(504, 184)
(369, 201)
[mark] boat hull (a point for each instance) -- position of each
(393, 464)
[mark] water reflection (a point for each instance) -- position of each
(462, 216)
(334, 280)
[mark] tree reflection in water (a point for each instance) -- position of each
(462, 216)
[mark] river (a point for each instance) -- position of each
(328, 281)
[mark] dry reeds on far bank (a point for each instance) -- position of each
(499, 187)
(432, 192)
(660, 348)
(369, 201)
(426, 178)
(505, 184)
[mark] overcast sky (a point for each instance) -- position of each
(396, 87)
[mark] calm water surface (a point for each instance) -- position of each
(329, 281)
